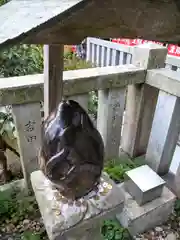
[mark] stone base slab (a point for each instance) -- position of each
(79, 219)
(138, 219)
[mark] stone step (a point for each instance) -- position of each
(76, 220)
(143, 184)
(138, 219)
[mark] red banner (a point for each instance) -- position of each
(173, 50)
(124, 41)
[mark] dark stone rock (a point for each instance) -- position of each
(72, 150)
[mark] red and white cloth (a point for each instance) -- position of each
(173, 50)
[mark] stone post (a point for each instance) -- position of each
(164, 133)
(141, 101)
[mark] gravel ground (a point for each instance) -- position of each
(9, 231)
(168, 231)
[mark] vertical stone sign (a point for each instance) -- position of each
(28, 124)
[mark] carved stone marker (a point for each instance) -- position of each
(28, 124)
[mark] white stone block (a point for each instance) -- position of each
(138, 219)
(143, 184)
(79, 220)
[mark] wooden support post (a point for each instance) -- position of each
(141, 101)
(164, 133)
(53, 76)
(109, 123)
(28, 121)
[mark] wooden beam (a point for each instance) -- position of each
(53, 76)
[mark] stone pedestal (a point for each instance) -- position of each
(80, 220)
(138, 219)
(143, 184)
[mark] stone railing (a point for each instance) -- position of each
(25, 93)
(141, 88)
(105, 53)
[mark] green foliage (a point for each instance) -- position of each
(93, 103)
(71, 62)
(112, 230)
(15, 207)
(2, 2)
(7, 126)
(68, 55)
(31, 236)
(116, 168)
(27, 59)
(20, 60)
(177, 208)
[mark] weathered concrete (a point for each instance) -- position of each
(165, 80)
(164, 133)
(75, 220)
(141, 101)
(138, 219)
(18, 90)
(149, 55)
(143, 184)
(109, 121)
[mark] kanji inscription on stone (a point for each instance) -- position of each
(29, 127)
(30, 139)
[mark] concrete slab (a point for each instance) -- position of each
(76, 220)
(138, 219)
(143, 184)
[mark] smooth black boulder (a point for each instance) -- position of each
(72, 152)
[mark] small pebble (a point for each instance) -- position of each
(158, 229)
(26, 221)
(38, 228)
